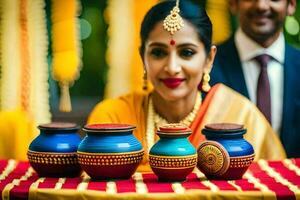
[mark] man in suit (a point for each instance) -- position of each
(276, 89)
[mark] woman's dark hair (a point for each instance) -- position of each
(189, 11)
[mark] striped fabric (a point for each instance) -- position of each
(263, 180)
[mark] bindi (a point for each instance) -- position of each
(172, 42)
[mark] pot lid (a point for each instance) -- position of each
(108, 127)
(66, 126)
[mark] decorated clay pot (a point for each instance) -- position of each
(109, 151)
(225, 154)
(173, 157)
(53, 152)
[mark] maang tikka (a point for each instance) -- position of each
(173, 22)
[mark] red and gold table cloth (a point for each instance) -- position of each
(263, 180)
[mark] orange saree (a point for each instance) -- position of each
(223, 104)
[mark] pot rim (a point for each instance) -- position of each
(223, 133)
(171, 134)
(224, 127)
(108, 127)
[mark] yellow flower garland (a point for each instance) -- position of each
(24, 67)
(66, 47)
(24, 75)
(125, 66)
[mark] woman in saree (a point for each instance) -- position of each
(176, 60)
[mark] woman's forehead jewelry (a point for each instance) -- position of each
(173, 22)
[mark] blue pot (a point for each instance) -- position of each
(173, 157)
(173, 144)
(110, 151)
(53, 152)
(225, 154)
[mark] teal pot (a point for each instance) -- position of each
(53, 153)
(110, 151)
(173, 157)
(225, 154)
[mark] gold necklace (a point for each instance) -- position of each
(154, 120)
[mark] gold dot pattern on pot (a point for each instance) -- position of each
(173, 161)
(241, 161)
(52, 158)
(109, 159)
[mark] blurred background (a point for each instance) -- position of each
(95, 36)
(107, 60)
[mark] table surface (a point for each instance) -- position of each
(263, 180)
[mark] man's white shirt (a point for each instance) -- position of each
(248, 49)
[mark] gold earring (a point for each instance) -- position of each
(145, 81)
(205, 82)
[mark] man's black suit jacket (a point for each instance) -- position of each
(227, 69)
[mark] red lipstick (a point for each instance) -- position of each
(172, 82)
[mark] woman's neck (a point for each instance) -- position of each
(174, 111)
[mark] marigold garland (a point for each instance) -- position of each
(118, 59)
(10, 70)
(39, 73)
(24, 67)
(24, 75)
(125, 66)
(66, 47)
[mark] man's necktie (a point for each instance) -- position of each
(263, 86)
